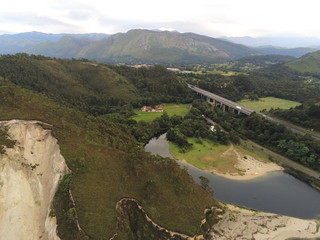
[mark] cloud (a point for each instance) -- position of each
(28, 22)
(208, 17)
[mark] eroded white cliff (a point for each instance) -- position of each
(29, 177)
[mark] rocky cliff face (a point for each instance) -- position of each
(29, 177)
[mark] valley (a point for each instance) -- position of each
(115, 188)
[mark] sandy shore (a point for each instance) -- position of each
(250, 167)
(244, 224)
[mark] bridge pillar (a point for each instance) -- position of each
(236, 111)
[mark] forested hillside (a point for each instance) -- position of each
(93, 87)
(106, 165)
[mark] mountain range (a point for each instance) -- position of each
(24, 42)
(146, 46)
(279, 42)
(135, 46)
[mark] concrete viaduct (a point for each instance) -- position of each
(221, 102)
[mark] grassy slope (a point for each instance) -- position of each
(308, 63)
(268, 103)
(104, 171)
(170, 109)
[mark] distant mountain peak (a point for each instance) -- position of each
(134, 46)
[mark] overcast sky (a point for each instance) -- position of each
(214, 18)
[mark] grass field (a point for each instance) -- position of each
(268, 103)
(170, 109)
(224, 73)
(208, 155)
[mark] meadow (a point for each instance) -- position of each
(268, 103)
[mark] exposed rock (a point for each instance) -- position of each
(29, 177)
(244, 224)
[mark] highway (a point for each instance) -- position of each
(291, 127)
(248, 111)
(285, 162)
(222, 100)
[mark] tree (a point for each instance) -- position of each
(204, 182)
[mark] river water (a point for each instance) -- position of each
(276, 192)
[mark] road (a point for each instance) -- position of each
(281, 160)
(291, 127)
(248, 111)
(222, 100)
(285, 162)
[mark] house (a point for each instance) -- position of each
(159, 109)
(151, 109)
(146, 109)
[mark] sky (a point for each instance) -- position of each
(215, 18)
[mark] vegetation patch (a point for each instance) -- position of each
(207, 155)
(269, 102)
(306, 117)
(308, 63)
(5, 140)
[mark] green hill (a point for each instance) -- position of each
(92, 87)
(309, 63)
(66, 78)
(107, 165)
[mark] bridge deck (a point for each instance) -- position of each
(222, 100)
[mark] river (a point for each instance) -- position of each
(276, 192)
